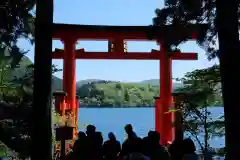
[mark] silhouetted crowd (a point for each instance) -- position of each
(90, 146)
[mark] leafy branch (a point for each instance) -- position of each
(200, 92)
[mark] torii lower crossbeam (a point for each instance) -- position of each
(81, 54)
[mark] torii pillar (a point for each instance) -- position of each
(166, 95)
(163, 119)
(69, 75)
(69, 72)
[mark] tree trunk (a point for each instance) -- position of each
(227, 27)
(41, 128)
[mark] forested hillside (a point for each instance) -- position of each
(118, 94)
(104, 93)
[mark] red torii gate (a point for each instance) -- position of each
(69, 34)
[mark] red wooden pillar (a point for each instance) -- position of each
(60, 102)
(160, 118)
(166, 94)
(76, 115)
(173, 119)
(158, 114)
(69, 72)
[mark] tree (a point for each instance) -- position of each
(215, 13)
(108, 102)
(126, 95)
(17, 22)
(118, 86)
(17, 124)
(200, 92)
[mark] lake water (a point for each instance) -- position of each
(114, 119)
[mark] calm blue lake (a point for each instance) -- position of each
(114, 119)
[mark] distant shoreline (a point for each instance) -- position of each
(104, 106)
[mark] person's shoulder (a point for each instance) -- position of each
(125, 142)
(105, 143)
(139, 139)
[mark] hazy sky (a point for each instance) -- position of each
(117, 12)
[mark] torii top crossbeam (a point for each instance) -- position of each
(121, 33)
(124, 32)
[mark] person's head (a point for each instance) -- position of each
(154, 136)
(128, 128)
(150, 133)
(81, 134)
(188, 146)
(111, 136)
(90, 129)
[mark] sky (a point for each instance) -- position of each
(117, 12)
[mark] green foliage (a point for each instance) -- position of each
(16, 73)
(202, 90)
(15, 81)
(18, 21)
(126, 95)
(18, 87)
(117, 94)
(15, 129)
(181, 13)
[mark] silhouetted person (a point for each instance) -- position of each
(153, 149)
(132, 143)
(91, 143)
(94, 140)
(189, 150)
(90, 130)
(96, 148)
(129, 130)
(146, 143)
(98, 139)
(80, 147)
(111, 147)
(176, 150)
